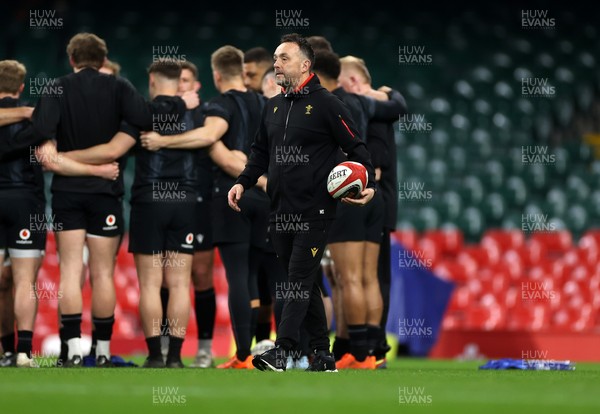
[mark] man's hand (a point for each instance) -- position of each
(234, 196)
(107, 171)
(27, 111)
(191, 99)
(385, 89)
(365, 196)
(153, 141)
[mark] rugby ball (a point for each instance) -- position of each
(347, 179)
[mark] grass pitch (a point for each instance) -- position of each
(408, 385)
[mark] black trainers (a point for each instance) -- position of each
(9, 359)
(323, 361)
(154, 363)
(174, 363)
(103, 362)
(75, 362)
(274, 359)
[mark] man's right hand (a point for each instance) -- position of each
(152, 141)
(234, 196)
(107, 171)
(191, 99)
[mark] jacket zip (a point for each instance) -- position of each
(281, 180)
(287, 118)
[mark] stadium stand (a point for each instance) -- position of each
(473, 191)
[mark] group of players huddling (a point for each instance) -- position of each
(188, 154)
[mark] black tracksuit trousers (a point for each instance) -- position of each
(301, 254)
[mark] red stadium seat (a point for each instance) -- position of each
(505, 239)
(448, 241)
(554, 242)
(454, 270)
(407, 237)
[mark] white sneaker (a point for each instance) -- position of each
(289, 364)
(203, 359)
(262, 347)
(23, 361)
(302, 363)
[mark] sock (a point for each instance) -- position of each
(72, 333)
(253, 321)
(94, 343)
(8, 342)
(175, 344)
(64, 349)
(104, 330)
(373, 333)
(164, 300)
(153, 344)
(103, 348)
(24, 339)
(205, 305)
(358, 341)
(263, 331)
(242, 355)
(341, 346)
(74, 345)
(205, 345)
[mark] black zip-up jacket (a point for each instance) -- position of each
(301, 136)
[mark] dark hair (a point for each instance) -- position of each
(327, 64)
(258, 55)
(170, 69)
(186, 64)
(319, 43)
(87, 49)
(302, 43)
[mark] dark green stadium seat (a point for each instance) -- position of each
(557, 202)
(449, 205)
(493, 208)
(472, 190)
(472, 223)
(515, 192)
(577, 189)
(492, 174)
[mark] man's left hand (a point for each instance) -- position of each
(365, 196)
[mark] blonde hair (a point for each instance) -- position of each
(12, 75)
(228, 61)
(353, 62)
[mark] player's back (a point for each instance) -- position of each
(92, 106)
(17, 171)
(243, 112)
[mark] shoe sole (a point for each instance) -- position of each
(262, 365)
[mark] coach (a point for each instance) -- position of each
(307, 120)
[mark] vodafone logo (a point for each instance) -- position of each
(189, 238)
(111, 223)
(24, 234)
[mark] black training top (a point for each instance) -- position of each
(168, 173)
(86, 109)
(365, 109)
(299, 142)
(19, 169)
(242, 112)
(203, 161)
